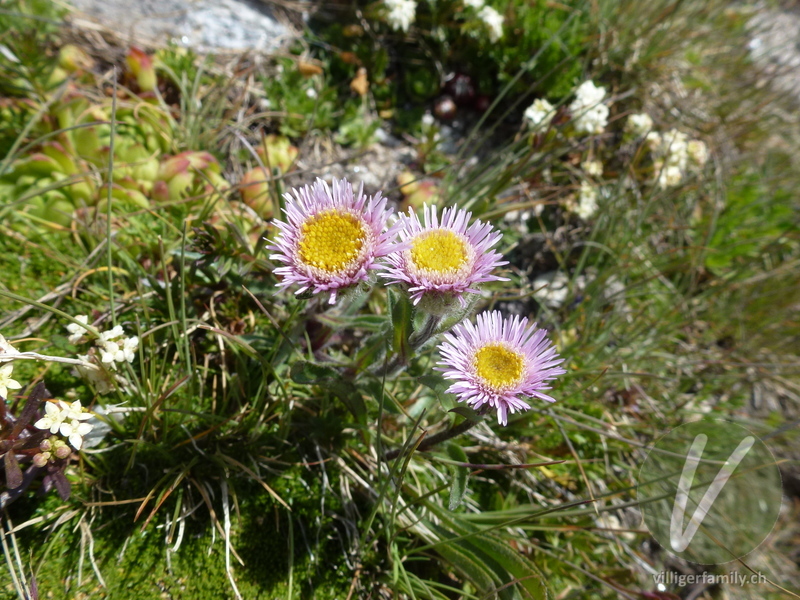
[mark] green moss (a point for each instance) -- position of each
(261, 536)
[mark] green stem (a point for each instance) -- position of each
(438, 438)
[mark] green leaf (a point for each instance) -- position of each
(435, 382)
(494, 552)
(466, 412)
(402, 323)
(439, 385)
(373, 350)
(465, 562)
(366, 322)
(348, 393)
(329, 378)
(308, 373)
(456, 453)
(504, 559)
(373, 387)
(460, 475)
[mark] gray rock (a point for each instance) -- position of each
(203, 25)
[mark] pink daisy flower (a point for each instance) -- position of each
(331, 238)
(498, 360)
(444, 256)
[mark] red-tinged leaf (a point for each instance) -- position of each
(62, 485)
(13, 472)
(31, 408)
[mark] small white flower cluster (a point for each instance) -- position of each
(400, 14)
(493, 21)
(66, 419)
(76, 332)
(6, 383)
(589, 114)
(476, 4)
(639, 125)
(698, 152)
(113, 345)
(587, 201)
(539, 114)
(673, 155)
(592, 167)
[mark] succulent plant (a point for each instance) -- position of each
(142, 68)
(277, 152)
(254, 187)
(417, 192)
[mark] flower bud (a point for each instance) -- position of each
(141, 66)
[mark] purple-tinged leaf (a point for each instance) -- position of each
(13, 472)
(62, 485)
(31, 408)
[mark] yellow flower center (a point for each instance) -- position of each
(498, 365)
(331, 240)
(439, 250)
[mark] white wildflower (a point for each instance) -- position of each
(698, 152)
(66, 419)
(668, 175)
(102, 381)
(639, 125)
(109, 352)
(588, 94)
(593, 168)
(113, 333)
(539, 114)
(493, 21)
(401, 13)
(129, 347)
(653, 140)
(6, 383)
(592, 120)
(588, 113)
(671, 156)
(674, 149)
(76, 331)
(74, 432)
(476, 4)
(116, 348)
(6, 349)
(54, 415)
(587, 201)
